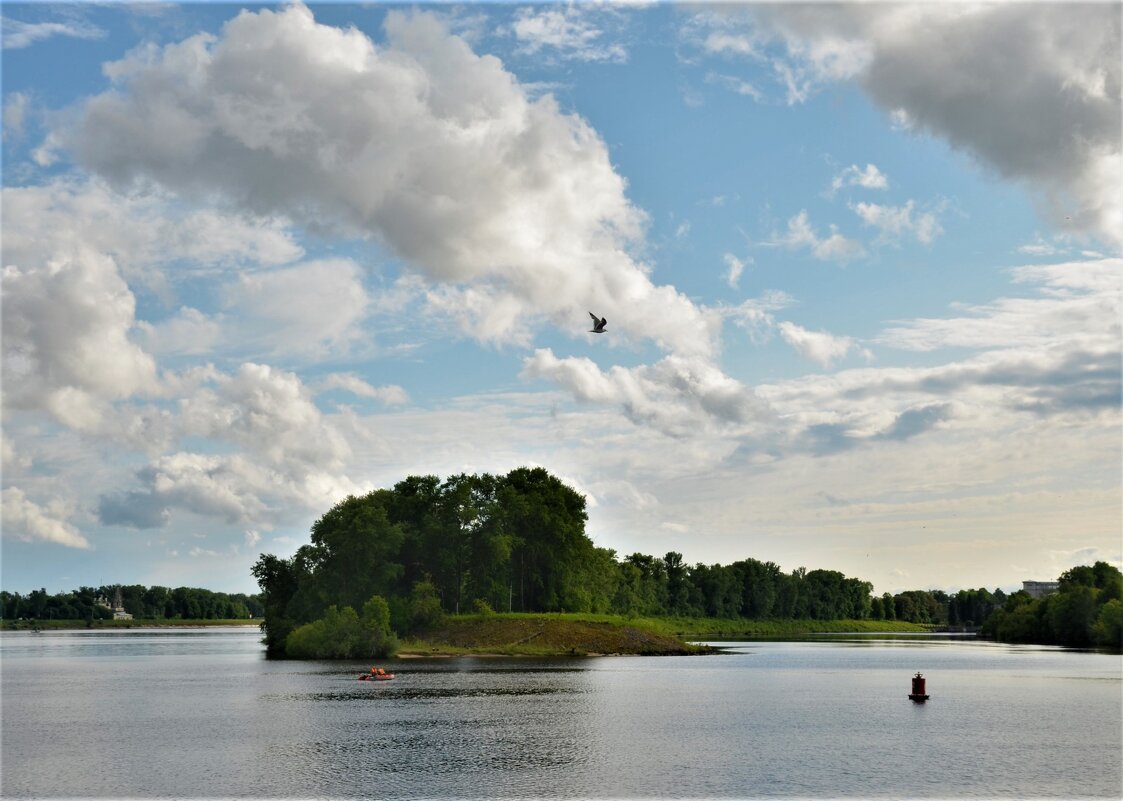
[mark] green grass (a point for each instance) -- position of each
(568, 633)
(708, 628)
(544, 635)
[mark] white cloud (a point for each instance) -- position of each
(1039, 247)
(188, 332)
(734, 268)
(19, 34)
(16, 111)
(281, 453)
(801, 235)
(1080, 304)
(566, 31)
(736, 43)
(307, 309)
(139, 231)
(820, 347)
(28, 521)
(67, 344)
(391, 394)
(869, 178)
(736, 85)
(677, 396)
(895, 222)
(457, 169)
(1030, 89)
(754, 315)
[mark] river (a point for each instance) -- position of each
(202, 714)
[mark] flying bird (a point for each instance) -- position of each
(598, 324)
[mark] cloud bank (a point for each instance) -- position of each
(420, 144)
(987, 78)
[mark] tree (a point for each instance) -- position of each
(546, 522)
(1108, 628)
(357, 550)
(279, 581)
(1072, 613)
(425, 606)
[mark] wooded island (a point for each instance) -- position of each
(394, 563)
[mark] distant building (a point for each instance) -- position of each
(1039, 589)
(119, 612)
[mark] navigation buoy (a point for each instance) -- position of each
(918, 693)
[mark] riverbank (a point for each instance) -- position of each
(583, 634)
(136, 623)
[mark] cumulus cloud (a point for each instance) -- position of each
(677, 396)
(419, 143)
(287, 455)
(820, 347)
(802, 235)
(306, 309)
(189, 331)
(28, 521)
(869, 178)
(1032, 90)
(137, 230)
(1053, 355)
(67, 345)
(755, 315)
(897, 222)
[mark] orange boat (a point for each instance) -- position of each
(376, 674)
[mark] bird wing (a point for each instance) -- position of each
(595, 318)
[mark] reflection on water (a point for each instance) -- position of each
(202, 714)
(387, 695)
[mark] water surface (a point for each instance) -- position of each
(202, 714)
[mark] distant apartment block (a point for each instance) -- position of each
(1037, 589)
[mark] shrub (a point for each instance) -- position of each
(342, 634)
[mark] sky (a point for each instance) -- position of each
(860, 264)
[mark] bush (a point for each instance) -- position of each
(482, 607)
(342, 634)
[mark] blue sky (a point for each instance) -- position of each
(860, 265)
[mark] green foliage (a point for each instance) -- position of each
(1085, 610)
(343, 634)
(482, 607)
(143, 603)
(1108, 628)
(425, 606)
(517, 543)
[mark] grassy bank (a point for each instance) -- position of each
(544, 635)
(137, 623)
(581, 634)
(709, 628)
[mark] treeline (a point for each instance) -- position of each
(1087, 609)
(517, 543)
(158, 603)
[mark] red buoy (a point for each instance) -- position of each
(918, 693)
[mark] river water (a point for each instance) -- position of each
(202, 714)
